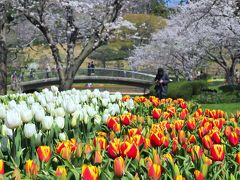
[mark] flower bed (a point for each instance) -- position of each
(95, 135)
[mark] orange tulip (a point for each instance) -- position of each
(156, 113)
(198, 175)
(66, 153)
(97, 157)
(191, 124)
(61, 171)
(181, 137)
(119, 166)
(238, 158)
(89, 172)
(31, 168)
(1, 166)
(44, 153)
(88, 149)
(155, 172)
(101, 141)
(126, 119)
(129, 150)
(217, 152)
(233, 139)
(207, 142)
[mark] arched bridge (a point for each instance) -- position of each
(41, 79)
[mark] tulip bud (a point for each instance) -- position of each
(238, 158)
(13, 119)
(29, 130)
(119, 166)
(97, 157)
(47, 122)
(44, 153)
(155, 171)
(60, 122)
(39, 115)
(31, 168)
(61, 172)
(198, 175)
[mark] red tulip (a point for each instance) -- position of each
(89, 172)
(1, 166)
(238, 158)
(155, 172)
(217, 152)
(156, 113)
(119, 166)
(31, 168)
(44, 153)
(129, 150)
(233, 138)
(191, 124)
(207, 142)
(101, 141)
(61, 171)
(198, 175)
(183, 105)
(113, 149)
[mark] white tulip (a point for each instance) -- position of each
(13, 119)
(94, 101)
(60, 122)
(38, 137)
(91, 112)
(47, 122)
(113, 98)
(3, 112)
(130, 104)
(6, 131)
(69, 105)
(54, 89)
(62, 137)
(59, 112)
(97, 119)
(96, 93)
(105, 102)
(49, 96)
(30, 100)
(105, 94)
(118, 96)
(26, 115)
(39, 115)
(105, 117)
(12, 104)
(86, 118)
(29, 130)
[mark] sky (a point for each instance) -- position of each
(173, 3)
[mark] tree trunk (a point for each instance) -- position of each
(66, 84)
(3, 64)
(229, 76)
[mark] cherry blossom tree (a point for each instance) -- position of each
(64, 23)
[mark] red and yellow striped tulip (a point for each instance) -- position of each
(196, 150)
(1, 166)
(156, 113)
(129, 150)
(126, 119)
(156, 157)
(101, 141)
(171, 110)
(174, 145)
(61, 171)
(202, 131)
(31, 168)
(183, 105)
(116, 128)
(155, 172)
(44, 153)
(113, 148)
(192, 139)
(165, 141)
(119, 166)
(218, 123)
(66, 153)
(155, 139)
(183, 114)
(182, 137)
(134, 131)
(111, 121)
(140, 99)
(168, 157)
(215, 136)
(148, 161)
(207, 142)
(89, 172)
(198, 175)
(233, 139)
(178, 124)
(206, 160)
(237, 158)
(217, 152)
(191, 124)
(138, 139)
(126, 98)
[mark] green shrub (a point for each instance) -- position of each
(183, 89)
(229, 88)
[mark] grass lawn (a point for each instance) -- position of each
(229, 108)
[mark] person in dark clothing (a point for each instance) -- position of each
(89, 69)
(161, 83)
(92, 68)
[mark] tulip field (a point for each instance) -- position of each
(97, 135)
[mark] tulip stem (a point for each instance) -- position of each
(14, 145)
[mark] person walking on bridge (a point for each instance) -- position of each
(161, 83)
